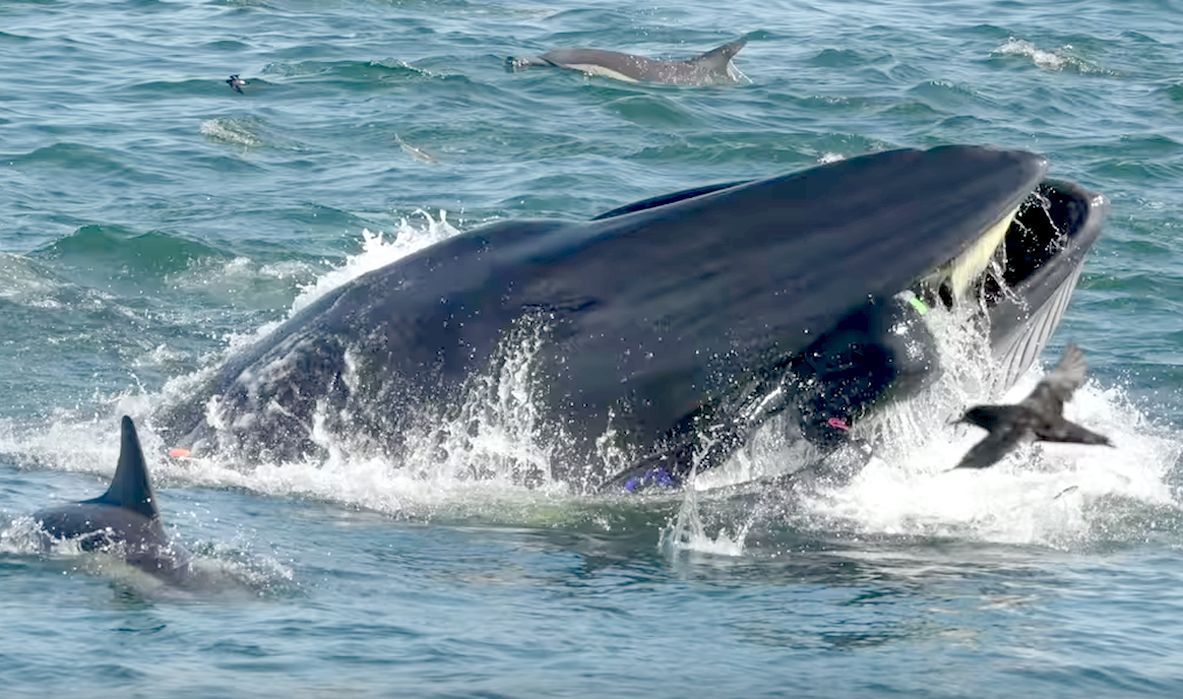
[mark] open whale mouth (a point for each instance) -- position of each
(1017, 275)
(1037, 244)
(1041, 260)
(1023, 270)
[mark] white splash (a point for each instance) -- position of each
(1057, 59)
(238, 274)
(1041, 494)
(688, 533)
(159, 356)
(22, 535)
(492, 454)
(378, 250)
(499, 432)
(237, 132)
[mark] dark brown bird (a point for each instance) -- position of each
(1039, 417)
(237, 83)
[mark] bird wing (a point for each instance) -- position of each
(1057, 387)
(1065, 431)
(992, 448)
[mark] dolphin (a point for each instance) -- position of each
(711, 68)
(662, 333)
(125, 519)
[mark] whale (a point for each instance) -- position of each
(714, 67)
(661, 334)
(124, 520)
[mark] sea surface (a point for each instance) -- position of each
(152, 219)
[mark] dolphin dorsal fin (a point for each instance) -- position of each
(718, 58)
(131, 488)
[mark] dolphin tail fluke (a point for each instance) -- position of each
(130, 489)
(718, 58)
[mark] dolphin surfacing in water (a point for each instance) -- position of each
(126, 518)
(671, 328)
(714, 67)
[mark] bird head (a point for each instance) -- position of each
(979, 415)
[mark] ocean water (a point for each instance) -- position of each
(151, 219)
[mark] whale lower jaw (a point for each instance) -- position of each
(1040, 284)
(1018, 349)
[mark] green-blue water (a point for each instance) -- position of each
(150, 216)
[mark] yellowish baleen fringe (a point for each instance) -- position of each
(966, 267)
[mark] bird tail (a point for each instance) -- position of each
(1076, 434)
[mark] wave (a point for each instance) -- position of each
(943, 93)
(8, 37)
(28, 283)
(740, 147)
(79, 158)
(375, 73)
(1173, 91)
(848, 58)
(657, 111)
(120, 251)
